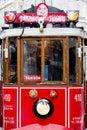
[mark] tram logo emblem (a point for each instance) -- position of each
(42, 10)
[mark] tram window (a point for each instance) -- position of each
(32, 61)
(72, 60)
(49, 59)
(42, 60)
(13, 62)
(53, 60)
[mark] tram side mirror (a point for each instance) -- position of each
(79, 52)
(6, 52)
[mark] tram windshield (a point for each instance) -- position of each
(53, 60)
(42, 60)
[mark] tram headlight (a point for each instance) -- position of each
(73, 15)
(10, 16)
(43, 108)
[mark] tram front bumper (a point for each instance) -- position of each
(43, 127)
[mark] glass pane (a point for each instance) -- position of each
(13, 62)
(72, 60)
(53, 60)
(32, 60)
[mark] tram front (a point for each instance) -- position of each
(42, 71)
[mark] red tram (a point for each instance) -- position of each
(0, 88)
(43, 75)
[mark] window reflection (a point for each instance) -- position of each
(32, 60)
(72, 60)
(13, 62)
(54, 60)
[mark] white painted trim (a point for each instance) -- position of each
(46, 32)
(17, 107)
(20, 111)
(66, 107)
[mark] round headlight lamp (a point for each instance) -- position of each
(10, 17)
(72, 15)
(43, 108)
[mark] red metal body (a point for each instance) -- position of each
(18, 112)
(86, 107)
(1, 104)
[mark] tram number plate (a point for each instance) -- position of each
(78, 97)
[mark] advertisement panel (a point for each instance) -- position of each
(10, 110)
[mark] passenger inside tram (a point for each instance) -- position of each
(13, 62)
(72, 60)
(55, 60)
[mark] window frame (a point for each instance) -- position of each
(65, 65)
(6, 61)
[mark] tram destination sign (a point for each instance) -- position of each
(41, 14)
(34, 18)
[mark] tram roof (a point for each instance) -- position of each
(33, 23)
(35, 32)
